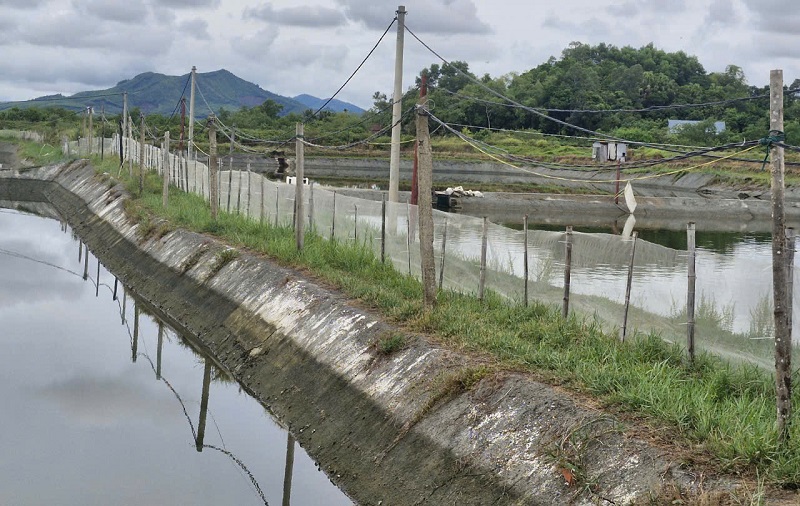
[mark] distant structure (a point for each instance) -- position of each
(605, 151)
(674, 125)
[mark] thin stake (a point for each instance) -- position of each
(158, 350)
(408, 234)
(355, 225)
(333, 220)
(230, 190)
(567, 272)
(249, 191)
(263, 200)
(135, 344)
(484, 249)
(288, 470)
(383, 228)
(634, 236)
(444, 250)
(239, 195)
(690, 296)
(124, 303)
(277, 202)
(116, 282)
(525, 257)
(86, 265)
(201, 424)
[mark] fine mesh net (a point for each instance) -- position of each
(738, 326)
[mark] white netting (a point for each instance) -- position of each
(739, 327)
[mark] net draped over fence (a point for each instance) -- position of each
(739, 328)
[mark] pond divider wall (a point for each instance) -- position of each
(310, 358)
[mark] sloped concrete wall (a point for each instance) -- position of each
(309, 356)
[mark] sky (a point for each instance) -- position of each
(291, 47)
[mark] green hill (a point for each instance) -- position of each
(159, 93)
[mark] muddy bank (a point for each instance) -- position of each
(389, 430)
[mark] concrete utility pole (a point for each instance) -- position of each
(425, 181)
(299, 173)
(397, 108)
(141, 154)
(780, 279)
(191, 115)
(165, 172)
(90, 110)
(213, 167)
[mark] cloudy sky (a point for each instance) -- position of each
(292, 47)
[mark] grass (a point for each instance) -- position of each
(719, 410)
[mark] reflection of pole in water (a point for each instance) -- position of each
(160, 345)
(80, 252)
(201, 425)
(86, 265)
(116, 282)
(135, 345)
(124, 303)
(287, 476)
(97, 279)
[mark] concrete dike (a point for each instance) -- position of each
(389, 430)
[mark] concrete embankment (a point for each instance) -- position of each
(389, 430)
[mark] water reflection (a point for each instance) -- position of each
(79, 410)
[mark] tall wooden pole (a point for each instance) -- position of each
(425, 211)
(299, 231)
(397, 108)
(780, 278)
(213, 168)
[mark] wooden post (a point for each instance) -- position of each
(263, 199)
(201, 423)
(239, 195)
(333, 220)
(141, 154)
(213, 195)
(567, 271)
(230, 190)
(783, 331)
(444, 251)
(790, 251)
(628, 288)
(298, 194)
(158, 350)
(690, 296)
(166, 172)
(103, 134)
(484, 249)
(311, 206)
(249, 191)
(288, 470)
(408, 234)
(383, 228)
(355, 224)
(130, 146)
(525, 258)
(425, 211)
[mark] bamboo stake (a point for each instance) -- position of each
(628, 287)
(567, 271)
(690, 296)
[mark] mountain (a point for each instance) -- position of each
(159, 93)
(335, 105)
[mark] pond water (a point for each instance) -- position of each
(86, 419)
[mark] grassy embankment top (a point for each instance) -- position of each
(721, 414)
